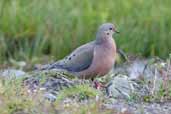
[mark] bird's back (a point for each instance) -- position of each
(80, 59)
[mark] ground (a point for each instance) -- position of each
(135, 86)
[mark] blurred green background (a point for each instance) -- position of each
(34, 28)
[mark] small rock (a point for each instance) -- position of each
(12, 73)
(50, 97)
(121, 87)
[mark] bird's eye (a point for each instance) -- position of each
(110, 28)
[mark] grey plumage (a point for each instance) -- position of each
(78, 60)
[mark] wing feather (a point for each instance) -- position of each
(80, 59)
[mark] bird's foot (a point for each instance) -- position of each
(98, 85)
(101, 86)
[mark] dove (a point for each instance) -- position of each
(93, 59)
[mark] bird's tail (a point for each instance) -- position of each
(55, 65)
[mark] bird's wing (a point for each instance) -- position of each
(80, 59)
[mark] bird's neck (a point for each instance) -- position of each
(107, 42)
(104, 39)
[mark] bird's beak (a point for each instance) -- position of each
(117, 31)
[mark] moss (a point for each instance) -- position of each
(82, 92)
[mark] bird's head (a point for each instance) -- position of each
(106, 30)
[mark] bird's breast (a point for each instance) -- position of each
(104, 57)
(103, 60)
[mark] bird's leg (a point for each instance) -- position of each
(97, 84)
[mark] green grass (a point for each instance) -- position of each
(82, 92)
(15, 99)
(33, 28)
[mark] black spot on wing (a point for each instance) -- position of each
(77, 68)
(70, 66)
(73, 68)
